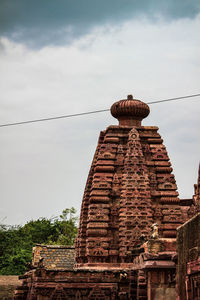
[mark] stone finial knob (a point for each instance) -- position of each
(130, 112)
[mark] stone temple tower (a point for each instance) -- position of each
(126, 246)
(130, 187)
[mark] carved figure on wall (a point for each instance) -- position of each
(154, 234)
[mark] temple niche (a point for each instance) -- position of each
(126, 242)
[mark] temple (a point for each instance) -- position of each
(126, 247)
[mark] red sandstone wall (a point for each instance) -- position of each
(188, 244)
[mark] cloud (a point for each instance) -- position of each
(39, 23)
(44, 166)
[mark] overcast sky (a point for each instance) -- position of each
(63, 57)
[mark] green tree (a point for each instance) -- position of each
(15, 250)
(66, 226)
(16, 242)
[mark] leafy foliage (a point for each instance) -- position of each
(16, 242)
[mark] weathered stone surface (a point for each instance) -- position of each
(132, 185)
(130, 191)
(188, 275)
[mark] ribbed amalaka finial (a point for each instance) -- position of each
(130, 112)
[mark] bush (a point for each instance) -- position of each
(16, 242)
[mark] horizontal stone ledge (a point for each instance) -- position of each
(97, 224)
(155, 140)
(97, 232)
(100, 192)
(104, 169)
(162, 163)
(108, 176)
(166, 256)
(158, 264)
(169, 226)
(107, 156)
(149, 135)
(164, 193)
(163, 169)
(100, 239)
(105, 162)
(100, 199)
(81, 283)
(169, 200)
(112, 140)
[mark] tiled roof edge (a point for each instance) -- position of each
(56, 246)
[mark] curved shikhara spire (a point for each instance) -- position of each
(130, 186)
(135, 209)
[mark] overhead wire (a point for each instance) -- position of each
(91, 112)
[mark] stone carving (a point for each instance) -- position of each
(98, 294)
(154, 234)
(130, 189)
(123, 276)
